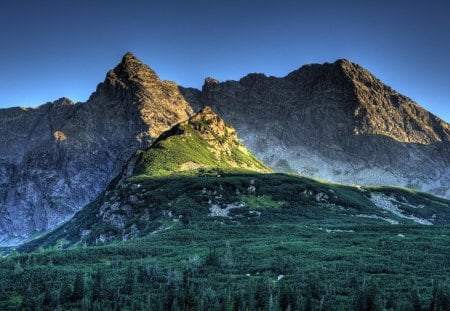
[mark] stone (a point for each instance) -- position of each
(58, 157)
(337, 122)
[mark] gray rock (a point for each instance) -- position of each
(335, 122)
(58, 157)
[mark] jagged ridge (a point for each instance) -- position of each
(334, 121)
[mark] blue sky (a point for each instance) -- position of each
(50, 49)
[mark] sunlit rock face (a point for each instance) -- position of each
(336, 122)
(58, 157)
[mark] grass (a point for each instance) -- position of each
(184, 144)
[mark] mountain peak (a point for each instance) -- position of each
(129, 56)
(133, 64)
(63, 101)
(131, 70)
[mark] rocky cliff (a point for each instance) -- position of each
(58, 157)
(336, 122)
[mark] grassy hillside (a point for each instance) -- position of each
(204, 142)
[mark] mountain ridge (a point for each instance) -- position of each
(339, 130)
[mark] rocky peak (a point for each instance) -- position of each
(56, 158)
(212, 127)
(134, 89)
(63, 102)
(380, 110)
(209, 83)
(130, 74)
(372, 107)
(335, 121)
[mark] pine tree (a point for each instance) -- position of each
(308, 300)
(190, 299)
(262, 294)
(415, 300)
(28, 301)
(213, 258)
(78, 287)
(98, 289)
(65, 292)
(130, 283)
(285, 296)
(368, 298)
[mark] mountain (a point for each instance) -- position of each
(198, 172)
(203, 145)
(335, 122)
(195, 221)
(332, 121)
(58, 157)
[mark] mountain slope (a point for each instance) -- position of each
(57, 158)
(196, 220)
(336, 122)
(198, 173)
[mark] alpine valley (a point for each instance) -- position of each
(322, 190)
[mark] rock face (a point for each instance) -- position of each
(135, 201)
(57, 158)
(336, 122)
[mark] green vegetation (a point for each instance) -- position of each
(209, 265)
(183, 150)
(301, 251)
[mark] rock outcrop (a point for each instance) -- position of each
(202, 143)
(58, 157)
(336, 122)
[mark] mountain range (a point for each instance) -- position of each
(331, 121)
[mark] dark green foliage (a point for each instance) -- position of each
(297, 254)
(78, 287)
(262, 294)
(368, 297)
(130, 283)
(65, 292)
(415, 300)
(98, 289)
(212, 259)
(440, 298)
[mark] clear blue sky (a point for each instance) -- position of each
(55, 48)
